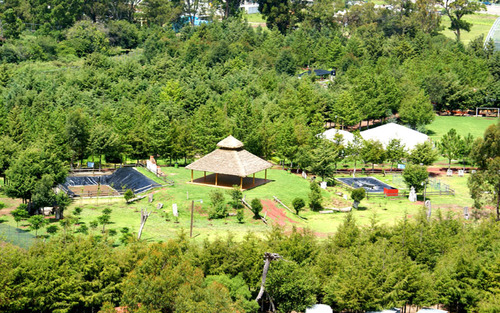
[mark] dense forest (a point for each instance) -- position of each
(416, 262)
(116, 80)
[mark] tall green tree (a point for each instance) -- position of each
(449, 145)
(457, 9)
(423, 153)
(395, 151)
(7, 149)
(373, 152)
(36, 222)
(324, 158)
(484, 185)
(282, 15)
(26, 172)
(416, 109)
(77, 133)
(415, 176)
(354, 148)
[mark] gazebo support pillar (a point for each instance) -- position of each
(265, 175)
(241, 183)
(191, 175)
(216, 177)
(204, 176)
(253, 180)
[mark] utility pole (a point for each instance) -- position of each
(192, 212)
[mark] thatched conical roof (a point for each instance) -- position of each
(230, 159)
(230, 143)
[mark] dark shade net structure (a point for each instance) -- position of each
(319, 72)
(370, 184)
(122, 179)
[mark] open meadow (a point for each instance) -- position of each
(481, 24)
(286, 186)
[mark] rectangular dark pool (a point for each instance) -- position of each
(370, 184)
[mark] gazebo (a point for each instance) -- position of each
(228, 163)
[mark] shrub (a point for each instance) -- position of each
(123, 34)
(315, 197)
(240, 215)
(256, 207)
(85, 38)
(357, 195)
(298, 204)
(218, 202)
(129, 194)
(414, 176)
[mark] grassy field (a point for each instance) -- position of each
(462, 124)
(161, 225)
(254, 18)
(481, 26)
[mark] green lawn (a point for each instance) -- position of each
(462, 124)
(161, 225)
(481, 26)
(254, 18)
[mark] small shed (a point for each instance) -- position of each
(230, 165)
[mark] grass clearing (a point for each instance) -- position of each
(254, 18)
(481, 24)
(462, 124)
(162, 225)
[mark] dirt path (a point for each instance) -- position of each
(276, 214)
(11, 205)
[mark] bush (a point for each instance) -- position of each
(240, 216)
(414, 176)
(85, 38)
(129, 194)
(315, 197)
(298, 204)
(357, 195)
(123, 34)
(256, 207)
(218, 202)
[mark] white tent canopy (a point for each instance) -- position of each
(330, 135)
(319, 308)
(385, 133)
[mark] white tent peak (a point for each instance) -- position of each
(330, 135)
(385, 133)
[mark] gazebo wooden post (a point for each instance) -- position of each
(253, 181)
(265, 175)
(191, 175)
(204, 176)
(241, 183)
(216, 176)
